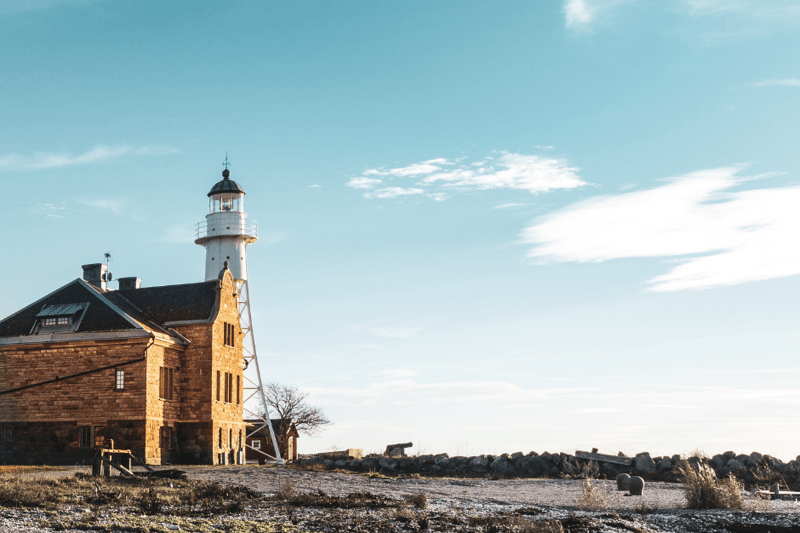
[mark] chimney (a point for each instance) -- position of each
(95, 274)
(129, 284)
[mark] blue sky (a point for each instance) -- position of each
(484, 226)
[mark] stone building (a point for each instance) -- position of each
(259, 447)
(158, 370)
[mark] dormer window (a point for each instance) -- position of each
(59, 318)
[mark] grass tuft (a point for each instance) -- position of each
(593, 497)
(705, 491)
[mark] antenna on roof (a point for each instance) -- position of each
(107, 275)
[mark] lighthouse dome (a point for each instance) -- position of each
(226, 185)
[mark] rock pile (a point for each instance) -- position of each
(753, 468)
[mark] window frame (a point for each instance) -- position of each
(85, 437)
(166, 383)
(119, 379)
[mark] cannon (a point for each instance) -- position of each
(397, 450)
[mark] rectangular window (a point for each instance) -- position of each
(62, 321)
(229, 336)
(8, 433)
(256, 444)
(99, 436)
(220, 437)
(237, 390)
(166, 437)
(240, 438)
(218, 389)
(50, 321)
(230, 438)
(166, 383)
(119, 380)
(86, 436)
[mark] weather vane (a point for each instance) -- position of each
(226, 164)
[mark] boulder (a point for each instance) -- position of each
(341, 463)
(517, 455)
(623, 481)
(426, 459)
(718, 461)
(644, 464)
(636, 486)
(530, 466)
(479, 463)
(729, 455)
(754, 460)
(405, 463)
(387, 464)
(370, 463)
(774, 463)
(734, 466)
(442, 461)
(665, 464)
(501, 465)
(355, 464)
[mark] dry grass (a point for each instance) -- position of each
(593, 497)
(145, 495)
(418, 500)
(705, 491)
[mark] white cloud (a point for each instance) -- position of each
(719, 237)
(107, 204)
(40, 160)
(364, 183)
(787, 82)
(393, 192)
(773, 9)
(578, 13)
(506, 171)
(507, 206)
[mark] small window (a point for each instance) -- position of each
(240, 438)
(166, 383)
(8, 433)
(86, 436)
(237, 390)
(57, 321)
(220, 437)
(230, 438)
(218, 374)
(229, 336)
(256, 444)
(119, 380)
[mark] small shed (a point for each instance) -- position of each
(259, 445)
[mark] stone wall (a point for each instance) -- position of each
(751, 468)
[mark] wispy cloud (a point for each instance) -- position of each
(583, 14)
(772, 9)
(786, 82)
(718, 236)
(115, 206)
(49, 210)
(436, 178)
(43, 160)
(578, 13)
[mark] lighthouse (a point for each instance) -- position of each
(226, 232)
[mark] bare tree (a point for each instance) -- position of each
(289, 405)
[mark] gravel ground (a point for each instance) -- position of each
(454, 505)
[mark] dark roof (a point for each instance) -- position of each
(226, 185)
(99, 315)
(150, 307)
(169, 303)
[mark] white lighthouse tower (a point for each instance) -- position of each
(225, 235)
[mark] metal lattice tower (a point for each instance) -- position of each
(225, 234)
